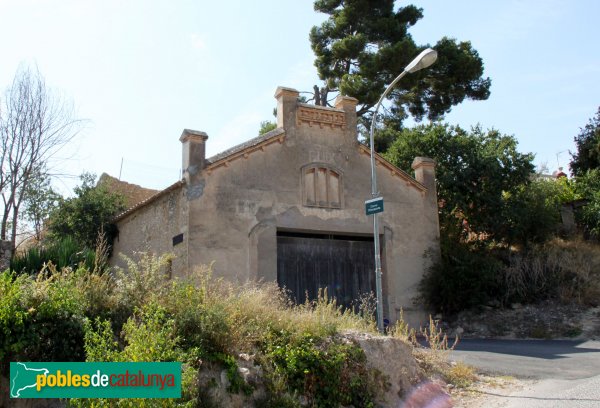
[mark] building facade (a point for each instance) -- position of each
(288, 206)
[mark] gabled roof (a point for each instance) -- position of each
(394, 171)
(211, 163)
(258, 143)
(245, 146)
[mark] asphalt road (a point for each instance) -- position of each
(568, 371)
(583, 393)
(537, 359)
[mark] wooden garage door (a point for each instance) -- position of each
(342, 264)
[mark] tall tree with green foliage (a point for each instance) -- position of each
(532, 211)
(476, 170)
(587, 141)
(365, 44)
(266, 126)
(87, 214)
(587, 186)
(39, 202)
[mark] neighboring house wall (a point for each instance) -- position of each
(310, 175)
(152, 227)
(132, 194)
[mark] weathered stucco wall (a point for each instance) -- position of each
(152, 227)
(245, 201)
(231, 207)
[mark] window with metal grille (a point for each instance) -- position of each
(322, 187)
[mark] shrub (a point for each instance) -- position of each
(327, 373)
(41, 319)
(465, 277)
(87, 214)
(461, 375)
(148, 335)
(532, 211)
(588, 187)
(474, 170)
(144, 277)
(140, 315)
(64, 253)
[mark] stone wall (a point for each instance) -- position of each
(159, 227)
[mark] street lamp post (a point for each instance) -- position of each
(423, 60)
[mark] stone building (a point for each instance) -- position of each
(288, 206)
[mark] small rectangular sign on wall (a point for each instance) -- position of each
(177, 239)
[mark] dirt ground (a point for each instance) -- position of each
(487, 391)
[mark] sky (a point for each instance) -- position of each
(140, 71)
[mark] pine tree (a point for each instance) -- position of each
(365, 44)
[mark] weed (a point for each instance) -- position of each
(435, 337)
(401, 330)
(460, 375)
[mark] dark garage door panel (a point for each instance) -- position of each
(342, 265)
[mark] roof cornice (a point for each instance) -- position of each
(394, 171)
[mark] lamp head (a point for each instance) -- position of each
(423, 60)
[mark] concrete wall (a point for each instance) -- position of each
(151, 228)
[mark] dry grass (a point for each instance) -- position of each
(256, 310)
(565, 269)
(401, 330)
(461, 375)
(433, 356)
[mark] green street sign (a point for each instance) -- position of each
(374, 206)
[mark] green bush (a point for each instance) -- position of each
(587, 186)
(142, 315)
(465, 277)
(149, 335)
(64, 253)
(532, 212)
(87, 214)
(41, 319)
(475, 169)
(200, 323)
(468, 276)
(327, 373)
